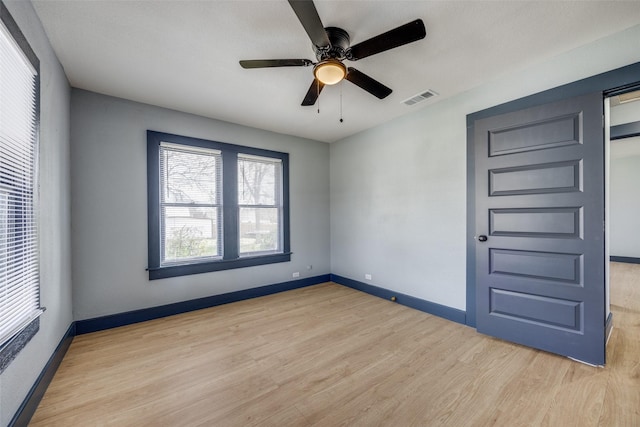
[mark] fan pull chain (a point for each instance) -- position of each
(318, 92)
(341, 102)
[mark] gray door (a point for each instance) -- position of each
(540, 276)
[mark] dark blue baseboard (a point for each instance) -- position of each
(142, 315)
(439, 310)
(626, 259)
(30, 403)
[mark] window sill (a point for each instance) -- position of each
(10, 350)
(219, 265)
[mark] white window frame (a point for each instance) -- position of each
(276, 205)
(166, 147)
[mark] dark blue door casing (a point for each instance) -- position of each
(540, 273)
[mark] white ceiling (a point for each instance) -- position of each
(184, 54)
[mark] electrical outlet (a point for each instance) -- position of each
(367, 276)
(309, 267)
(296, 274)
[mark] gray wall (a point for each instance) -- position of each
(398, 208)
(625, 113)
(393, 198)
(54, 218)
(109, 206)
(624, 187)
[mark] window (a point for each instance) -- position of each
(19, 265)
(259, 204)
(214, 206)
(190, 204)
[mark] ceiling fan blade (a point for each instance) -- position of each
(399, 36)
(372, 86)
(308, 16)
(266, 63)
(312, 94)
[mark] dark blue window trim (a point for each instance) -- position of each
(229, 193)
(627, 130)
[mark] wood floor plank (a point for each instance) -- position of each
(327, 355)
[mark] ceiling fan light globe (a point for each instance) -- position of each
(330, 72)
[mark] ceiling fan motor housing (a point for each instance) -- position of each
(337, 49)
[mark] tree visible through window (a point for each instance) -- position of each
(214, 206)
(191, 203)
(259, 203)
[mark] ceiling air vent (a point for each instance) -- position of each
(420, 97)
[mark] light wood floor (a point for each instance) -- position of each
(330, 356)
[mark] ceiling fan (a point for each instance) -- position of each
(331, 46)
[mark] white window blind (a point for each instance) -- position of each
(190, 203)
(259, 204)
(19, 270)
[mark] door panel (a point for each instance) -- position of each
(559, 177)
(553, 132)
(540, 202)
(537, 222)
(547, 312)
(552, 267)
